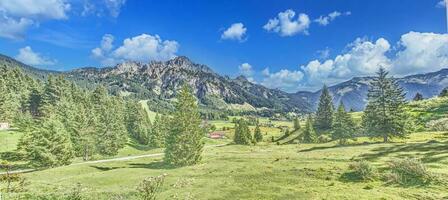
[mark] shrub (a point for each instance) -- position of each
(150, 187)
(323, 139)
(362, 170)
(76, 193)
(438, 125)
(408, 171)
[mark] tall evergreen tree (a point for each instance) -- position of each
(258, 137)
(47, 144)
(418, 97)
(343, 125)
(159, 131)
(137, 122)
(184, 143)
(296, 124)
(309, 135)
(324, 114)
(242, 133)
(385, 115)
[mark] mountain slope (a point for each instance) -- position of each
(354, 92)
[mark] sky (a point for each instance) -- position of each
(292, 45)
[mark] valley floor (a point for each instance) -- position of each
(265, 171)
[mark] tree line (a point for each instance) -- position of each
(60, 121)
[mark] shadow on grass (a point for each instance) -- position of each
(338, 146)
(103, 168)
(153, 165)
(428, 151)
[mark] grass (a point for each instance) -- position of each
(265, 171)
(9, 140)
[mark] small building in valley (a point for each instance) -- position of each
(4, 126)
(217, 135)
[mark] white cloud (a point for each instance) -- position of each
(28, 56)
(441, 4)
(236, 31)
(421, 52)
(103, 7)
(284, 79)
(286, 25)
(363, 58)
(16, 16)
(324, 54)
(142, 48)
(246, 69)
(325, 20)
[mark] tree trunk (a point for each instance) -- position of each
(385, 138)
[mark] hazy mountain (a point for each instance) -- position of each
(354, 92)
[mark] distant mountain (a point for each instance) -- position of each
(159, 81)
(354, 92)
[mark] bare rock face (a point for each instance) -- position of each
(163, 79)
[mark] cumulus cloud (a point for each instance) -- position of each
(246, 69)
(441, 4)
(325, 20)
(236, 31)
(28, 56)
(284, 79)
(421, 52)
(286, 25)
(363, 58)
(142, 48)
(16, 16)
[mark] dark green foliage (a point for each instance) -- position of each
(385, 115)
(184, 143)
(159, 131)
(418, 97)
(309, 135)
(47, 144)
(137, 122)
(324, 114)
(444, 92)
(258, 137)
(242, 133)
(343, 126)
(296, 124)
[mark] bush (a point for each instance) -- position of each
(323, 139)
(150, 187)
(438, 125)
(362, 170)
(408, 171)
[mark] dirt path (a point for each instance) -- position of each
(106, 160)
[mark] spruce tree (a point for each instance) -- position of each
(324, 114)
(137, 122)
(418, 97)
(385, 115)
(296, 124)
(159, 131)
(184, 143)
(47, 144)
(242, 133)
(444, 92)
(258, 137)
(309, 135)
(343, 125)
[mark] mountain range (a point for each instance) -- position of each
(159, 81)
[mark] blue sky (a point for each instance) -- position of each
(291, 45)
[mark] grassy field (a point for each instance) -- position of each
(9, 140)
(265, 171)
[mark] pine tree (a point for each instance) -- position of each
(385, 115)
(242, 133)
(343, 125)
(184, 143)
(444, 92)
(47, 144)
(309, 135)
(258, 137)
(324, 114)
(418, 97)
(296, 124)
(137, 122)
